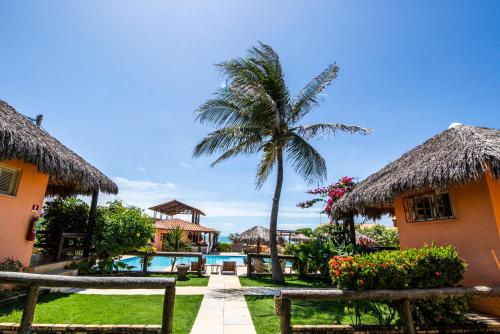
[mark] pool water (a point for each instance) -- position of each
(160, 263)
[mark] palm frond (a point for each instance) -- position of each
(266, 165)
(305, 160)
(249, 146)
(328, 129)
(309, 97)
(226, 138)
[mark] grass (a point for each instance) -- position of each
(193, 279)
(290, 281)
(303, 313)
(106, 309)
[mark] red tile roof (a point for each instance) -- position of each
(170, 224)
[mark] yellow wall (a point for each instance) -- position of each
(474, 232)
(15, 211)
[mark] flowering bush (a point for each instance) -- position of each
(427, 267)
(334, 192)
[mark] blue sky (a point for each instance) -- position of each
(119, 81)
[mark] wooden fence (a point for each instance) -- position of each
(146, 256)
(35, 281)
(285, 298)
(251, 256)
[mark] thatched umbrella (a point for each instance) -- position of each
(457, 155)
(21, 139)
(255, 234)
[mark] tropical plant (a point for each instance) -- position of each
(383, 235)
(62, 215)
(233, 237)
(11, 264)
(255, 113)
(120, 229)
(176, 241)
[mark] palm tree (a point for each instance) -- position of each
(254, 113)
(176, 241)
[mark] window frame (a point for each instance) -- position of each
(409, 209)
(16, 180)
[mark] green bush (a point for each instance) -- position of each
(426, 267)
(223, 246)
(383, 235)
(62, 215)
(120, 229)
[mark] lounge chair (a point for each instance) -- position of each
(229, 267)
(194, 266)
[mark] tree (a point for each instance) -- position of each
(120, 229)
(175, 241)
(254, 113)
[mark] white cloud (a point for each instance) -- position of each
(185, 165)
(141, 169)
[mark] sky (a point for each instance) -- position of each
(119, 82)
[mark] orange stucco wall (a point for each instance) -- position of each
(15, 211)
(475, 233)
(158, 243)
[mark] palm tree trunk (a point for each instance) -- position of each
(276, 268)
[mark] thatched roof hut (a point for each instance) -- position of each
(255, 234)
(22, 140)
(455, 156)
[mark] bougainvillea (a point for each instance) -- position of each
(332, 192)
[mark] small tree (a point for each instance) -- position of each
(59, 216)
(176, 241)
(120, 229)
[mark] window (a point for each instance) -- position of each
(429, 206)
(9, 179)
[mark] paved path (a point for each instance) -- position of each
(224, 309)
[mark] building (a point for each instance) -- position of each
(201, 238)
(33, 165)
(446, 191)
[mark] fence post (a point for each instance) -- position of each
(408, 317)
(60, 248)
(249, 265)
(286, 316)
(29, 310)
(145, 261)
(200, 264)
(168, 310)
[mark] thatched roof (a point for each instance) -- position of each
(455, 156)
(22, 140)
(254, 234)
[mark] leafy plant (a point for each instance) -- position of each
(426, 267)
(255, 113)
(62, 215)
(233, 237)
(11, 264)
(383, 235)
(176, 241)
(223, 247)
(120, 229)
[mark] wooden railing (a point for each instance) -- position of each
(146, 256)
(251, 256)
(61, 249)
(404, 296)
(35, 281)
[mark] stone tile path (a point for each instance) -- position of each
(224, 309)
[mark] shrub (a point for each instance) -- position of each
(383, 235)
(11, 264)
(120, 229)
(223, 247)
(62, 215)
(427, 267)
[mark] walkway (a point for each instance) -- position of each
(223, 311)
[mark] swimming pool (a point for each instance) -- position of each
(160, 263)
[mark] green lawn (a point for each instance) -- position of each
(193, 279)
(303, 313)
(290, 281)
(106, 309)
